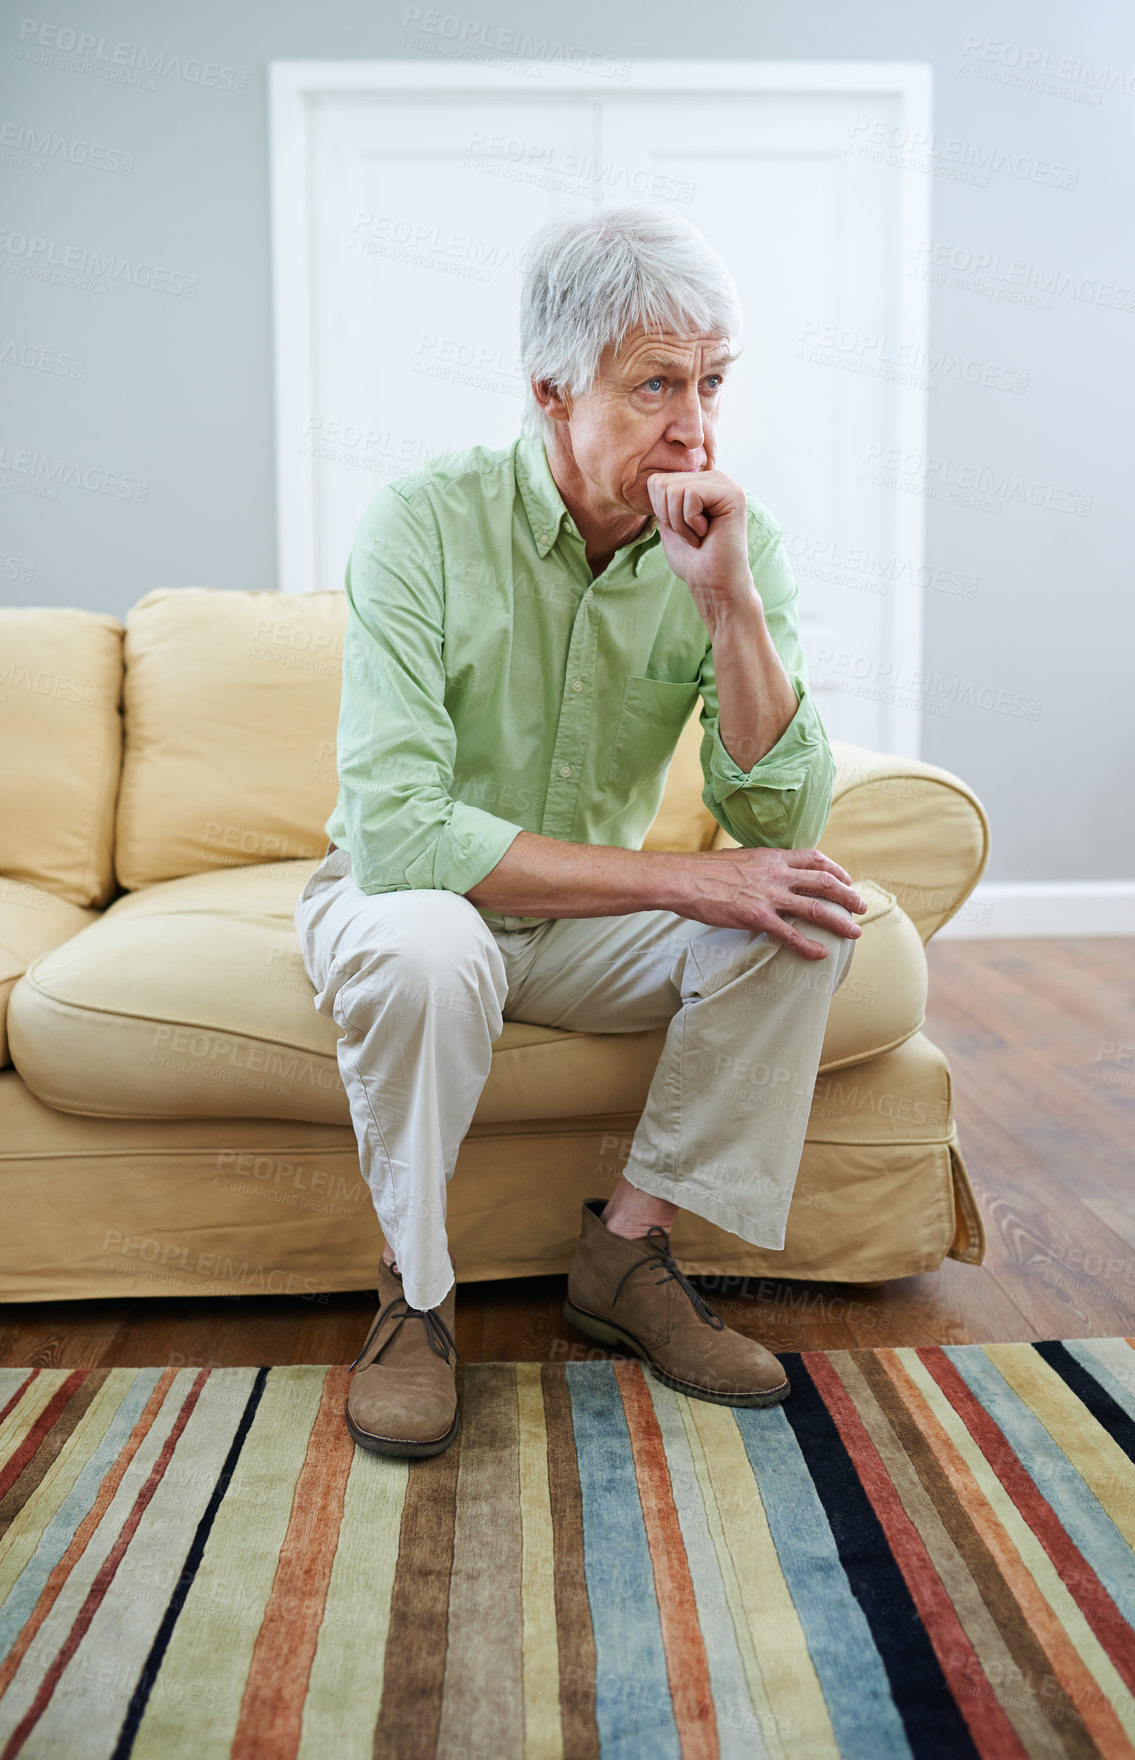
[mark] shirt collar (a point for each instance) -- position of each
(545, 506)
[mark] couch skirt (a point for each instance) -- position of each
(110, 1207)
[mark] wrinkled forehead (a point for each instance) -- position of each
(666, 351)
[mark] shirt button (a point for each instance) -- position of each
(565, 769)
(577, 684)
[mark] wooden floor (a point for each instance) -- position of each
(1041, 1040)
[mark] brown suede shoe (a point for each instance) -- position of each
(616, 1296)
(403, 1398)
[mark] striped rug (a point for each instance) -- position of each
(923, 1552)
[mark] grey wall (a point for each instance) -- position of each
(174, 398)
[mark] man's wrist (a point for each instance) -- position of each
(735, 613)
(661, 880)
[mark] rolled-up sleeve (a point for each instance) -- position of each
(784, 800)
(396, 743)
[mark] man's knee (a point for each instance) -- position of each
(447, 943)
(841, 949)
(799, 971)
(435, 950)
(837, 964)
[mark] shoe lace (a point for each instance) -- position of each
(441, 1340)
(659, 1241)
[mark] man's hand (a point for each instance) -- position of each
(761, 888)
(703, 524)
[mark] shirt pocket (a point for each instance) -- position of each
(653, 714)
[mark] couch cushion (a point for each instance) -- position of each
(190, 999)
(232, 705)
(61, 736)
(31, 922)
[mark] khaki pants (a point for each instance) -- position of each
(420, 984)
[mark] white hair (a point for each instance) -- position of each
(590, 282)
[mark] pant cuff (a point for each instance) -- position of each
(765, 1232)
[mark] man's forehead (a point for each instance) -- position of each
(668, 350)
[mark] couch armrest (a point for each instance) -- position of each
(31, 922)
(914, 828)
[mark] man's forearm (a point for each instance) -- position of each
(542, 877)
(756, 699)
(751, 888)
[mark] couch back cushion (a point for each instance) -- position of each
(61, 736)
(232, 704)
(232, 708)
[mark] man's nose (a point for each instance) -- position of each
(687, 423)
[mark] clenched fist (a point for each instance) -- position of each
(703, 523)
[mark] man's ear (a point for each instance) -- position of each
(556, 404)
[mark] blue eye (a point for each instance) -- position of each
(657, 380)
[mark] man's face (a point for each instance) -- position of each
(654, 408)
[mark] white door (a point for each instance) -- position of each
(401, 219)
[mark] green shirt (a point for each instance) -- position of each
(491, 686)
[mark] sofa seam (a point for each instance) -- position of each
(212, 1027)
(868, 1056)
(190, 1026)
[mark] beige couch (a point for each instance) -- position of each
(171, 1115)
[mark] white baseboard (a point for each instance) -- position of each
(1045, 907)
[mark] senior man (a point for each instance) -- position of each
(529, 630)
